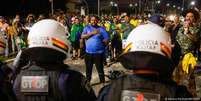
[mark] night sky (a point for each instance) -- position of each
(23, 7)
(11, 7)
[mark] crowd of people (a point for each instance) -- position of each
(151, 48)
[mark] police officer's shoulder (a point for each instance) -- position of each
(78, 76)
(116, 83)
(80, 81)
(69, 69)
(113, 83)
(74, 74)
(103, 93)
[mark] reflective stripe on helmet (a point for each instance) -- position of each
(127, 48)
(165, 49)
(59, 44)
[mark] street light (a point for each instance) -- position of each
(115, 4)
(140, 6)
(178, 8)
(135, 4)
(130, 5)
(111, 3)
(86, 6)
(52, 6)
(136, 10)
(183, 5)
(158, 2)
(157, 6)
(131, 8)
(192, 3)
(167, 4)
(98, 7)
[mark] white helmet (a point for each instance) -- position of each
(2, 44)
(148, 47)
(149, 38)
(49, 34)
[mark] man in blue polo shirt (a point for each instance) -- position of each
(96, 38)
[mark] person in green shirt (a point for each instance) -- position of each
(75, 37)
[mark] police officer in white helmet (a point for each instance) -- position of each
(148, 57)
(46, 77)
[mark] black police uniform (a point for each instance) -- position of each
(47, 79)
(6, 91)
(155, 86)
(150, 88)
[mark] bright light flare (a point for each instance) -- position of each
(171, 17)
(192, 3)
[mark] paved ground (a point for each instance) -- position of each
(80, 66)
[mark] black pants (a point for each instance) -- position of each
(96, 59)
